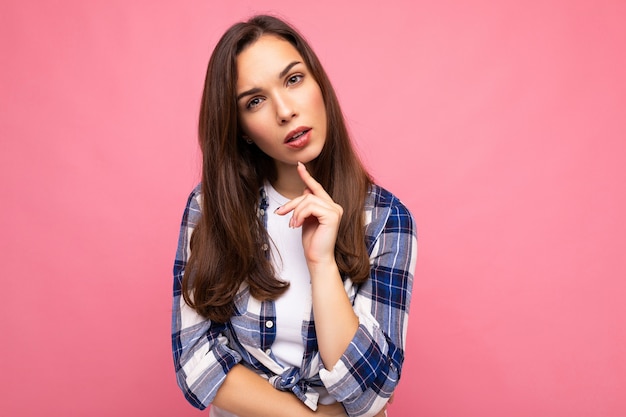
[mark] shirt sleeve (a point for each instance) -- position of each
(369, 370)
(202, 357)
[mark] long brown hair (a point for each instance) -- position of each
(226, 245)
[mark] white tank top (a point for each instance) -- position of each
(288, 259)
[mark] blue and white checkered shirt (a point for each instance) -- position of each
(368, 371)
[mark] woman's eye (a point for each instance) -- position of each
(254, 102)
(294, 79)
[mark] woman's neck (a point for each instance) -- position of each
(288, 182)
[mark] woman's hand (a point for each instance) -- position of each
(332, 410)
(319, 217)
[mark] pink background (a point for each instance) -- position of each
(501, 124)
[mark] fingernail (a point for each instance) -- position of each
(277, 208)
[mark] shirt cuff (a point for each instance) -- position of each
(358, 367)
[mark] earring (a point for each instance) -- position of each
(247, 139)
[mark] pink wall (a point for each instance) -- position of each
(502, 125)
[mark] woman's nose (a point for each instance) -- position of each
(284, 110)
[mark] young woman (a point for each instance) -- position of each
(293, 275)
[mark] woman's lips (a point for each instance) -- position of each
(298, 138)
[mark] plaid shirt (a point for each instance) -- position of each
(369, 370)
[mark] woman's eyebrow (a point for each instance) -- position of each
(248, 93)
(287, 68)
(258, 90)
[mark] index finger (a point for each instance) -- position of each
(310, 182)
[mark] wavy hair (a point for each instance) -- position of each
(226, 245)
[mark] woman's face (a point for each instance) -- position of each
(280, 104)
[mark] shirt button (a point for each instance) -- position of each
(268, 352)
(269, 324)
(261, 212)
